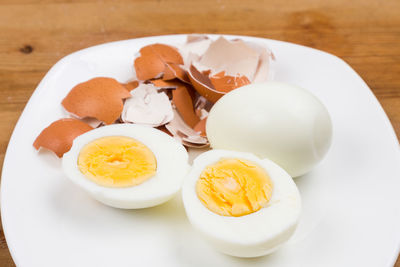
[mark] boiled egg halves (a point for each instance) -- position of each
(243, 205)
(127, 166)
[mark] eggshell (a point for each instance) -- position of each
(182, 97)
(264, 71)
(99, 98)
(201, 127)
(163, 84)
(173, 71)
(147, 106)
(59, 135)
(186, 135)
(226, 83)
(131, 85)
(191, 38)
(95, 123)
(196, 45)
(183, 103)
(203, 85)
(233, 57)
(202, 106)
(152, 60)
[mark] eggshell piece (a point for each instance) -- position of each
(196, 45)
(59, 135)
(201, 127)
(173, 71)
(226, 83)
(131, 85)
(233, 57)
(147, 106)
(184, 104)
(182, 98)
(94, 123)
(203, 85)
(191, 38)
(159, 83)
(263, 72)
(99, 98)
(186, 135)
(153, 59)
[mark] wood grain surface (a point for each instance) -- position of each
(35, 34)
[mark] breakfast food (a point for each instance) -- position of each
(127, 166)
(243, 205)
(278, 121)
(126, 143)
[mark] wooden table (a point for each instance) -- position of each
(35, 34)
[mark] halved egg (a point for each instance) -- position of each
(127, 166)
(243, 205)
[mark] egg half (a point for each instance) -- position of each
(127, 166)
(284, 123)
(243, 205)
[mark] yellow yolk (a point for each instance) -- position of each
(234, 187)
(117, 161)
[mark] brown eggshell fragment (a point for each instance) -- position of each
(99, 98)
(184, 104)
(151, 62)
(182, 98)
(226, 83)
(94, 123)
(203, 85)
(164, 84)
(59, 135)
(131, 85)
(173, 71)
(201, 127)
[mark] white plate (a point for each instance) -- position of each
(351, 214)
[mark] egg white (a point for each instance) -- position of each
(251, 235)
(284, 123)
(172, 166)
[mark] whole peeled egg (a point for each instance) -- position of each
(127, 166)
(274, 120)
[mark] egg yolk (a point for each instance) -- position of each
(117, 161)
(234, 187)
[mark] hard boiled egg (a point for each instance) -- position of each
(127, 166)
(282, 122)
(242, 205)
